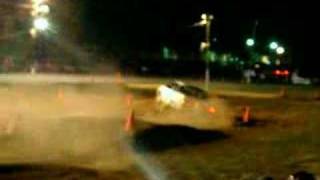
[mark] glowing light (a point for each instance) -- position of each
(284, 73)
(41, 24)
(33, 32)
(250, 42)
(224, 58)
(203, 46)
(33, 13)
(204, 16)
(265, 60)
(203, 22)
(212, 110)
(280, 50)
(273, 45)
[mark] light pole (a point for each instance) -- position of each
(206, 21)
(250, 43)
(39, 12)
(40, 25)
(278, 50)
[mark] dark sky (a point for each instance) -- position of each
(149, 24)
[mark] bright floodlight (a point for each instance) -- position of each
(250, 42)
(274, 45)
(43, 8)
(280, 50)
(204, 16)
(41, 24)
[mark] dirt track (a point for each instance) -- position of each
(77, 125)
(81, 124)
(195, 115)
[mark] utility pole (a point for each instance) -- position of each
(254, 31)
(206, 20)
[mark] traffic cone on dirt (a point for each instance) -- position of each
(60, 94)
(119, 78)
(283, 92)
(129, 100)
(246, 115)
(212, 110)
(128, 126)
(129, 122)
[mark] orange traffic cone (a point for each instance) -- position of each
(212, 110)
(130, 117)
(283, 92)
(60, 94)
(119, 79)
(246, 115)
(129, 100)
(129, 122)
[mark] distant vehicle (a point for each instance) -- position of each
(273, 75)
(296, 79)
(174, 94)
(281, 73)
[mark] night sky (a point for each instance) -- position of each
(145, 25)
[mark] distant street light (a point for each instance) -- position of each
(280, 50)
(41, 24)
(250, 42)
(204, 16)
(206, 20)
(273, 45)
(39, 12)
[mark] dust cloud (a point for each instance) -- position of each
(77, 125)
